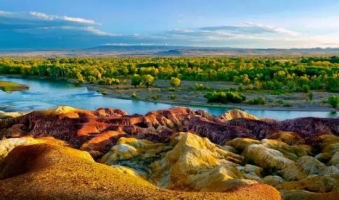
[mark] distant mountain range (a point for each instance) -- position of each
(153, 50)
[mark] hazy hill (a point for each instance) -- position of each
(155, 50)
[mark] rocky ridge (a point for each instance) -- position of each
(186, 150)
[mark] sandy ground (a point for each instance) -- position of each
(186, 95)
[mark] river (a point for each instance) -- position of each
(45, 93)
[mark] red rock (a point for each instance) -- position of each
(97, 131)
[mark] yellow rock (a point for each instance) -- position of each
(319, 184)
(127, 148)
(290, 138)
(6, 145)
(129, 171)
(273, 180)
(251, 172)
(266, 158)
(293, 152)
(61, 110)
(241, 144)
(5, 115)
(235, 113)
(196, 164)
(48, 172)
(306, 195)
(334, 160)
(330, 145)
(304, 167)
(135, 154)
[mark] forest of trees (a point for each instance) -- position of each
(291, 74)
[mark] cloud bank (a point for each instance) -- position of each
(40, 30)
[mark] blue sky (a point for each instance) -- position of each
(217, 23)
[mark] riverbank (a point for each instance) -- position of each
(187, 96)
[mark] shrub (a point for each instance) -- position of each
(305, 88)
(225, 97)
(134, 95)
(258, 101)
(333, 101)
(200, 87)
(241, 87)
(173, 96)
(91, 79)
(281, 102)
(155, 97)
(147, 80)
(136, 80)
(175, 82)
(287, 105)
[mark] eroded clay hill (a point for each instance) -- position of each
(184, 150)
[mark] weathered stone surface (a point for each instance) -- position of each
(6, 115)
(7, 145)
(235, 114)
(195, 164)
(49, 172)
(220, 153)
(273, 180)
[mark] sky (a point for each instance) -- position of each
(58, 24)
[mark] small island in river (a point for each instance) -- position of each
(11, 86)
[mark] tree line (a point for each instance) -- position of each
(279, 73)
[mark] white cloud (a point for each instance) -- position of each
(273, 29)
(252, 29)
(42, 15)
(34, 29)
(78, 20)
(97, 32)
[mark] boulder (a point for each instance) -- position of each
(267, 158)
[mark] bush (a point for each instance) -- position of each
(241, 87)
(173, 96)
(281, 102)
(155, 97)
(305, 88)
(91, 79)
(136, 80)
(200, 87)
(225, 97)
(258, 101)
(172, 89)
(333, 101)
(109, 81)
(287, 105)
(147, 80)
(134, 95)
(175, 82)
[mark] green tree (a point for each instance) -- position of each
(175, 82)
(333, 101)
(306, 88)
(147, 80)
(91, 79)
(136, 80)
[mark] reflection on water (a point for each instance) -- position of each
(44, 94)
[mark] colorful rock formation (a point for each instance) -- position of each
(186, 150)
(49, 172)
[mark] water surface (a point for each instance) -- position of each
(45, 93)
